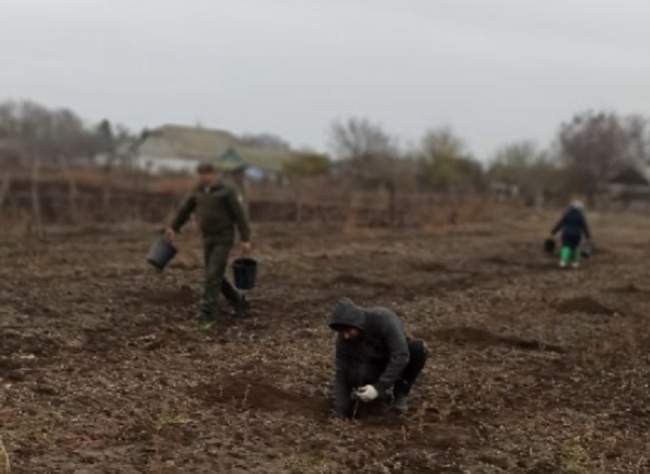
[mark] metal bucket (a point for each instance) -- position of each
(549, 246)
(161, 252)
(245, 273)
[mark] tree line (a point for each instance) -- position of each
(31, 133)
(587, 151)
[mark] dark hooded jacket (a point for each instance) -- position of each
(377, 357)
(573, 224)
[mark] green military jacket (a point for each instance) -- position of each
(219, 211)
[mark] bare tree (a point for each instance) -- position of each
(593, 146)
(521, 167)
(44, 136)
(358, 138)
(302, 171)
(638, 137)
(366, 152)
(369, 157)
(44, 132)
(445, 165)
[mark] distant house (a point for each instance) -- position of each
(631, 183)
(255, 163)
(179, 149)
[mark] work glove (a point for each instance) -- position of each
(367, 393)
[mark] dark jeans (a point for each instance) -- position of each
(571, 238)
(417, 358)
(216, 262)
(368, 374)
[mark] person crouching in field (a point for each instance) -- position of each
(219, 212)
(374, 358)
(573, 225)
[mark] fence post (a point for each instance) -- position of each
(72, 189)
(37, 220)
(4, 188)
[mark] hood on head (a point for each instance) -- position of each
(347, 315)
(577, 204)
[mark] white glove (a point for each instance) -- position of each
(367, 393)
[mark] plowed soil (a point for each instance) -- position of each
(532, 369)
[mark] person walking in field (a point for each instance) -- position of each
(220, 213)
(374, 358)
(573, 225)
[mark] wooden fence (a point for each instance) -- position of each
(76, 196)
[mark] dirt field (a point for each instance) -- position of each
(532, 370)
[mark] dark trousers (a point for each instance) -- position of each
(571, 238)
(417, 358)
(368, 374)
(216, 262)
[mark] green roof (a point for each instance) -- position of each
(237, 157)
(219, 147)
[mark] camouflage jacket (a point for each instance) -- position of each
(219, 210)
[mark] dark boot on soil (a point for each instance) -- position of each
(401, 404)
(241, 308)
(206, 322)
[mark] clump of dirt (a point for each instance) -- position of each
(243, 393)
(630, 288)
(583, 304)
(544, 467)
(499, 260)
(460, 283)
(483, 338)
(429, 266)
(182, 297)
(354, 280)
(9, 369)
(100, 340)
(12, 342)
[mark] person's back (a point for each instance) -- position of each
(573, 225)
(374, 358)
(574, 222)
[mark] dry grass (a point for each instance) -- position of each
(5, 466)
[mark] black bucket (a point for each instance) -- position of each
(245, 273)
(549, 246)
(161, 253)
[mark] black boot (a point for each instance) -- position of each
(241, 307)
(401, 396)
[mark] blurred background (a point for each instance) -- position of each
(382, 113)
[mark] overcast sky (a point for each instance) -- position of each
(495, 70)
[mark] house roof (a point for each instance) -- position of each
(192, 143)
(219, 147)
(631, 176)
(236, 157)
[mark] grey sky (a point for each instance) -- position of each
(495, 70)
